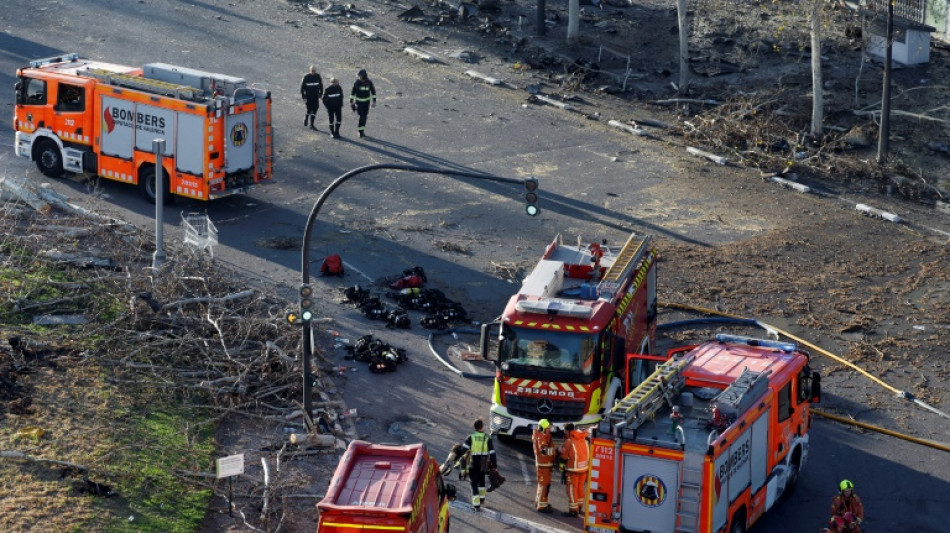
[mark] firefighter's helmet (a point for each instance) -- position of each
(543, 424)
(846, 485)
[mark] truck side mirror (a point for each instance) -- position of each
(815, 387)
(488, 343)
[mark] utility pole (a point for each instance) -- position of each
(158, 258)
(530, 185)
(885, 132)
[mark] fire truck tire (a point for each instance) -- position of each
(738, 522)
(792, 475)
(147, 184)
(49, 160)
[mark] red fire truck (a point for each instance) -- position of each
(380, 487)
(731, 448)
(560, 346)
(83, 116)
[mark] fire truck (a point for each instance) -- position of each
(560, 346)
(83, 116)
(732, 447)
(380, 487)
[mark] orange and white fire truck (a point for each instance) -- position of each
(380, 487)
(78, 115)
(560, 346)
(728, 452)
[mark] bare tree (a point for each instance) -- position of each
(573, 20)
(684, 44)
(818, 102)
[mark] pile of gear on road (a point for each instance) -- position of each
(380, 357)
(409, 294)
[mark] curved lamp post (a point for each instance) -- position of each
(530, 185)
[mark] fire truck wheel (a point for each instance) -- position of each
(147, 183)
(738, 522)
(48, 159)
(792, 476)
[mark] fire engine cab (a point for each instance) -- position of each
(708, 443)
(560, 346)
(83, 116)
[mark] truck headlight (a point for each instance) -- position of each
(499, 422)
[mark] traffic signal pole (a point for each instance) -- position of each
(307, 338)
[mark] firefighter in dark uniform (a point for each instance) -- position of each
(482, 461)
(333, 101)
(311, 89)
(362, 97)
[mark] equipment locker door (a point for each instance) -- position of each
(650, 486)
(239, 143)
(191, 146)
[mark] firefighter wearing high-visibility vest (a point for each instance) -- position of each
(362, 97)
(482, 460)
(544, 453)
(576, 454)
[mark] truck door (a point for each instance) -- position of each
(31, 98)
(68, 113)
(239, 144)
(648, 501)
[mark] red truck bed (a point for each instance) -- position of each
(374, 476)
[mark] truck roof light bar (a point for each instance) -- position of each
(53, 59)
(749, 341)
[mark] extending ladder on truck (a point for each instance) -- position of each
(630, 256)
(645, 400)
(140, 83)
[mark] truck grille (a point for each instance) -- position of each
(538, 408)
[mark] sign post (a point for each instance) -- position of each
(232, 465)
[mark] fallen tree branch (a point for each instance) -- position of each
(15, 454)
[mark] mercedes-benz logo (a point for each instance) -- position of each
(545, 406)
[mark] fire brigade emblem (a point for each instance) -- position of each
(239, 134)
(650, 490)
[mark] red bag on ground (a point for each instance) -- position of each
(332, 266)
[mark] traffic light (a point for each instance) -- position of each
(306, 303)
(292, 317)
(531, 197)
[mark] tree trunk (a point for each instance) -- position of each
(573, 20)
(818, 101)
(684, 44)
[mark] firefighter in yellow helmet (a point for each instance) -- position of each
(544, 453)
(847, 511)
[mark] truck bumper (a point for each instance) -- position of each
(504, 423)
(23, 144)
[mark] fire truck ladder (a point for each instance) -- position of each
(149, 85)
(629, 257)
(645, 400)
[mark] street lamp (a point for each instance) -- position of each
(307, 347)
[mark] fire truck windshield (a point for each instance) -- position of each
(529, 350)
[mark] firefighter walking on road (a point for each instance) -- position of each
(544, 453)
(576, 453)
(333, 101)
(311, 89)
(483, 460)
(362, 97)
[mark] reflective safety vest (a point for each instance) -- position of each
(363, 92)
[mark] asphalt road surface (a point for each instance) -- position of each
(595, 182)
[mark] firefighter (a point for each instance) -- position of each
(576, 453)
(333, 101)
(311, 89)
(845, 503)
(362, 97)
(482, 460)
(544, 453)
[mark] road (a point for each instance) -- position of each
(595, 182)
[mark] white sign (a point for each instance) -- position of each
(231, 465)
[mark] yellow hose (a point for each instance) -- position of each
(879, 429)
